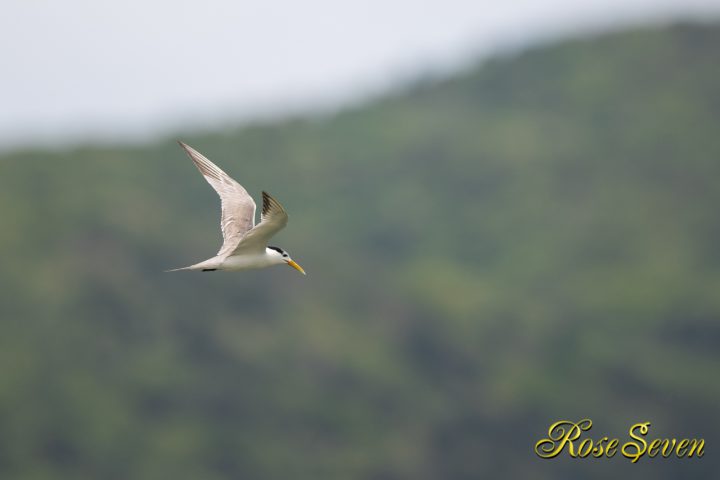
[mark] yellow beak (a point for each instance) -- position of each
(296, 267)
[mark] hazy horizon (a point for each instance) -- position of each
(164, 67)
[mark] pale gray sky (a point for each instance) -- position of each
(76, 70)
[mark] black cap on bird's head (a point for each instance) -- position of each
(287, 258)
(277, 249)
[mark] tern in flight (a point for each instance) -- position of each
(244, 243)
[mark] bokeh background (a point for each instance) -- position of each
(509, 216)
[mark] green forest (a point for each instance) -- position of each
(533, 239)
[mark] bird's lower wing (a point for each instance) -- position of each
(273, 219)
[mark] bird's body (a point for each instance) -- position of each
(238, 262)
(244, 243)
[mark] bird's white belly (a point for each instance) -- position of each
(246, 262)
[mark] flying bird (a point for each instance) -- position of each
(245, 245)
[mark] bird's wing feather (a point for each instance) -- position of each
(238, 207)
(272, 220)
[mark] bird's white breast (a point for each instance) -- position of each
(246, 262)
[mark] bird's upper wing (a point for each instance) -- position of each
(272, 220)
(238, 207)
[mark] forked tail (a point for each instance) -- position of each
(209, 265)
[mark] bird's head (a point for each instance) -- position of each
(281, 256)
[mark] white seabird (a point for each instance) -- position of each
(244, 243)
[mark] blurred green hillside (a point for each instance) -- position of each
(533, 240)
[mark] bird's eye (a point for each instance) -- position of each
(285, 255)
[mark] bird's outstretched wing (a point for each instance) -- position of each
(238, 207)
(272, 220)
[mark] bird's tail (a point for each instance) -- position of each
(178, 269)
(209, 265)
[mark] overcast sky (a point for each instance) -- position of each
(76, 70)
